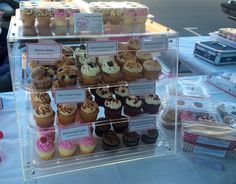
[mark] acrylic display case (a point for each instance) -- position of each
(86, 100)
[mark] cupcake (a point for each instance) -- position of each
(59, 21)
(90, 74)
(132, 71)
(110, 72)
(133, 106)
(67, 148)
(101, 94)
(168, 118)
(102, 126)
(104, 59)
(67, 75)
(88, 111)
(45, 148)
(27, 16)
(66, 61)
(66, 113)
(84, 59)
(124, 57)
(122, 47)
(121, 93)
(79, 51)
(113, 108)
(43, 17)
(40, 98)
(87, 145)
(143, 56)
(151, 104)
(44, 116)
(42, 77)
(130, 139)
(49, 133)
(120, 125)
(67, 51)
(133, 45)
(150, 136)
(151, 69)
(110, 141)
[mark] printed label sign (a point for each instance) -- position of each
(142, 123)
(208, 163)
(204, 140)
(91, 22)
(100, 48)
(70, 96)
(154, 43)
(142, 88)
(207, 151)
(74, 133)
(43, 51)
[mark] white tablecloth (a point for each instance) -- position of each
(195, 64)
(174, 169)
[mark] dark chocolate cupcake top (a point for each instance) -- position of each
(111, 138)
(152, 133)
(131, 136)
(103, 124)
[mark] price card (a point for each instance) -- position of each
(142, 88)
(154, 43)
(213, 142)
(101, 48)
(74, 133)
(88, 22)
(142, 123)
(208, 163)
(43, 51)
(70, 96)
(208, 151)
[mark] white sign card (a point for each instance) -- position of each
(142, 123)
(39, 51)
(101, 48)
(74, 133)
(70, 96)
(154, 43)
(142, 88)
(88, 22)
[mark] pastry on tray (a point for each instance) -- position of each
(88, 111)
(150, 136)
(132, 70)
(101, 94)
(44, 116)
(151, 104)
(66, 113)
(45, 148)
(110, 141)
(113, 108)
(133, 106)
(151, 69)
(131, 139)
(87, 145)
(40, 98)
(67, 148)
(102, 126)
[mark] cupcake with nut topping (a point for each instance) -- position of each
(66, 113)
(88, 111)
(44, 116)
(113, 108)
(151, 104)
(133, 45)
(132, 71)
(40, 98)
(101, 94)
(143, 56)
(133, 106)
(151, 69)
(124, 57)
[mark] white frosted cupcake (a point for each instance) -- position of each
(151, 69)
(90, 74)
(110, 72)
(121, 93)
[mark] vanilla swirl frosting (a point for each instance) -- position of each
(122, 91)
(89, 106)
(90, 69)
(134, 43)
(152, 99)
(44, 145)
(103, 92)
(133, 101)
(133, 67)
(152, 65)
(43, 111)
(110, 67)
(67, 109)
(112, 103)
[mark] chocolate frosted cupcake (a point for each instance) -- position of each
(113, 108)
(110, 141)
(120, 125)
(151, 104)
(121, 93)
(88, 111)
(44, 116)
(66, 113)
(150, 137)
(133, 106)
(101, 94)
(102, 126)
(110, 72)
(67, 76)
(40, 98)
(131, 139)
(42, 77)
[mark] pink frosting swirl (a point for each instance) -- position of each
(49, 133)
(59, 13)
(67, 144)
(88, 141)
(44, 145)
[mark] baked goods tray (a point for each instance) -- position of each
(222, 39)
